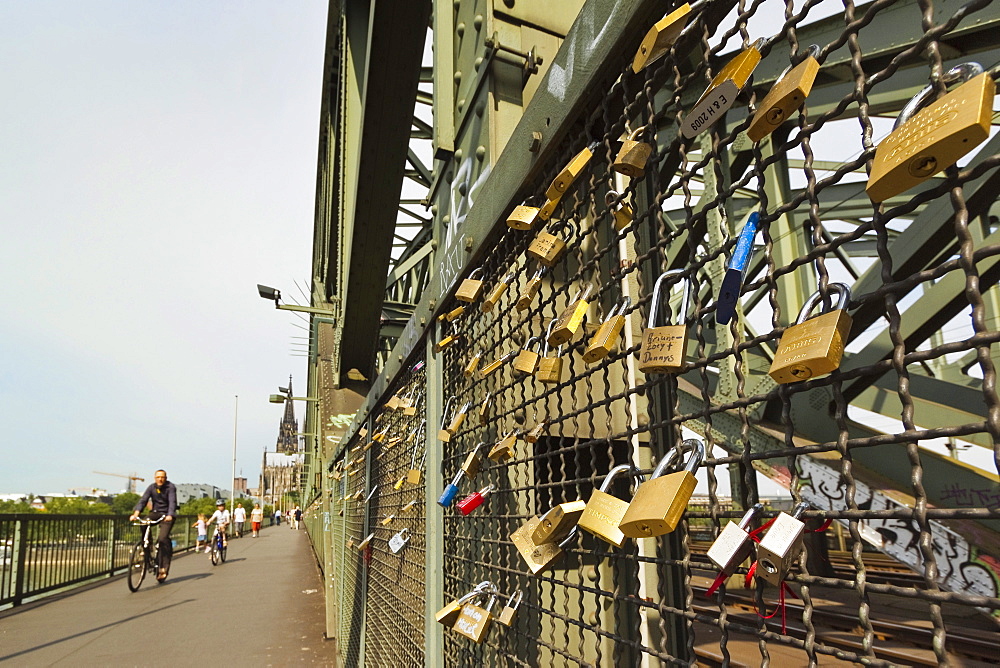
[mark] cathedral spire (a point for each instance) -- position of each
(287, 440)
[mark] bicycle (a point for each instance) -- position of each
(218, 547)
(145, 555)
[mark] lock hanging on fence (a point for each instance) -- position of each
(780, 546)
(664, 348)
(397, 542)
(660, 502)
(662, 36)
(526, 361)
(550, 368)
(736, 270)
(604, 512)
(490, 368)
(929, 138)
(504, 448)
(568, 323)
(557, 522)
(734, 544)
(490, 302)
(473, 622)
(814, 346)
(606, 336)
(448, 615)
(786, 95)
(631, 159)
(506, 616)
(547, 248)
(530, 289)
(621, 212)
(722, 92)
(472, 365)
(474, 500)
(538, 557)
(523, 217)
(564, 179)
(471, 287)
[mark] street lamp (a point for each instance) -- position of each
(273, 294)
(282, 398)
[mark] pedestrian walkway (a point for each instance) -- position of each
(263, 607)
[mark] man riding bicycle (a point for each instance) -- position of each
(163, 496)
(221, 519)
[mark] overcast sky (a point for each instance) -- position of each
(158, 160)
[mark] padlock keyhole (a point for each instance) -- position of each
(769, 567)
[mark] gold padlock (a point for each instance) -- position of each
(661, 37)
(530, 289)
(490, 368)
(368, 539)
(388, 520)
(547, 248)
(506, 616)
(456, 422)
(631, 159)
(449, 613)
(526, 361)
(557, 522)
(813, 347)
(484, 408)
(412, 405)
(446, 341)
(362, 432)
(473, 622)
(471, 287)
(606, 336)
(604, 512)
(568, 323)
(443, 434)
(380, 436)
(497, 292)
(399, 483)
(927, 140)
(786, 95)
(523, 217)
(415, 474)
(722, 92)
(393, 403)
(550, 368)
(409, 506)
(621, 212)
(538, 557)
(570, 172)
(473, 364)
(472, 463)
(504, 448)
(452, 314)
(664, 348)
(350, 542)
(659, 503)
(548, 209)
(536, 432)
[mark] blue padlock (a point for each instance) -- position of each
(450, 491)
(736, 269)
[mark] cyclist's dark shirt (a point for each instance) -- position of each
(164, 499)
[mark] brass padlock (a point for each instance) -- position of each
(536, 431)
(664, 348)
(606, 336)
(449, 613)
(350, 542)
(530, 289)
(734, 544)
(661, 37)
(504, 448)
(570, 172)
(412, 405)
(548, 208)
(474, 622)
(408, 506)
(399, 483)
(780, 546)
(362, 432)
(813, 347)
(471, 287)
(506, 616)
(456, 423)
(452, 314)
(490, 368)
(368, 539)
(631, 159)
(446, 341)
(414, 475)
(547, 248)
(568, 323)
(538, 557)
(473, 364)
(380, 436)
(557, 522)
(660, 502)
(526, 361)
(443, 434)
(721, 93)
(388, 520)
(484, 408)
(786, 95)
(621, 212)
(928, 139)
(550, 368)
(523, 217)
(472, 463)
(393, 403)
(604, 512)
(497, 292)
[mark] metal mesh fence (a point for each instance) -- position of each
(903, 548)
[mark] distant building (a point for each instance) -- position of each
(190, 490)
(281, 470)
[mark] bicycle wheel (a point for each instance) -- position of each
(136, 568)
(215, 555)
(222, 553)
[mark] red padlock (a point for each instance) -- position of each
(474, 500)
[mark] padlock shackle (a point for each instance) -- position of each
(654, 304)
(617, 471)
(548, 333)
(538, 343)
(817, 297)
(611, 197)
(485, 491)
(813, 51)
(624, 304)
(635, 133)
(692, 445)
(476, 273)
(800, 508)
(540, 272)
(570, 536)
(510, 600)
(444, 411)
(748, 516)
(962, 72)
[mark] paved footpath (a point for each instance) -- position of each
(263, 607)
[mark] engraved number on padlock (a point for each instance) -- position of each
(664, 348)
(660, 502)
(780, 546)
(786, 95)
(604, 512)
(721, 93)
(925, 142)
(814, 346)
(606, 336)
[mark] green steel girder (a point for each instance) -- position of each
(395, 42)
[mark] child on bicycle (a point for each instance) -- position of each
(202, 533)
(221, 519)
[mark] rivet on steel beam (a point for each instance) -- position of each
(536, 142)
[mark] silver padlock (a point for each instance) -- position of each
(780, 546)
(397, 542)
(734, 544)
